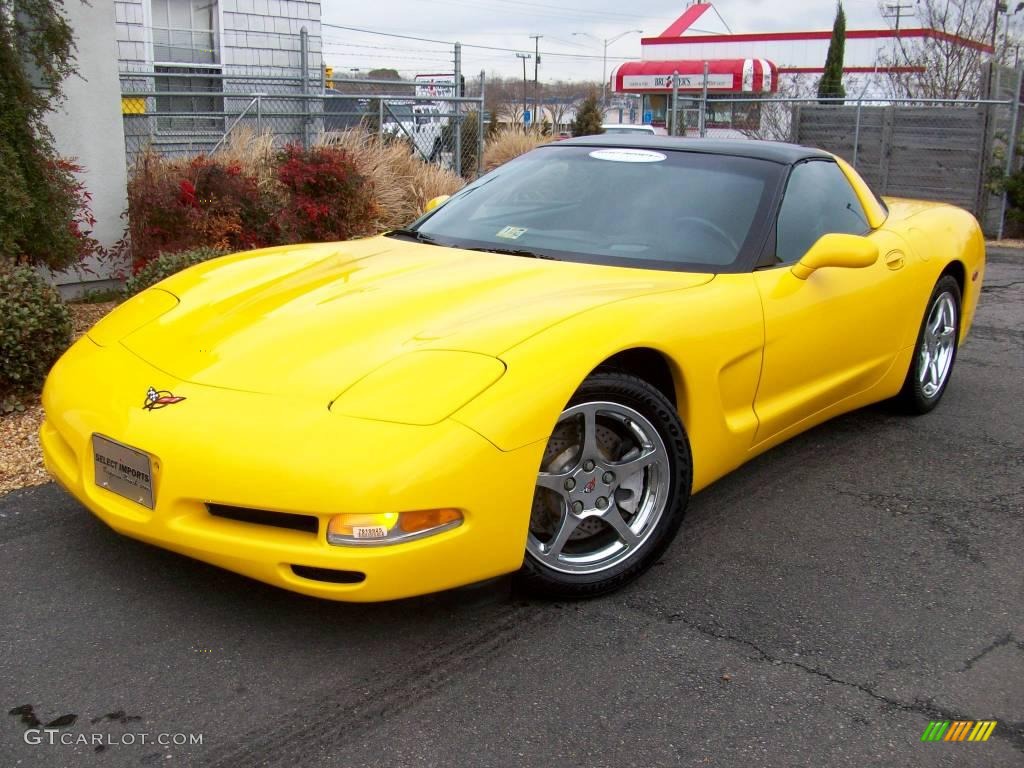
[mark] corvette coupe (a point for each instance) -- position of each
(532, 378)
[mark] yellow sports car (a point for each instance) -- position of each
(534, 377)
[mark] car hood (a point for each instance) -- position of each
(313, 319)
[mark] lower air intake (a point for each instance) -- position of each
(306, 523)
(328, 574)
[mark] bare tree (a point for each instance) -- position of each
(776, 116)
(947, 65)
(504, 97)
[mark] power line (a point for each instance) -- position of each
(570, 9)
(524, 10)
(467, 45)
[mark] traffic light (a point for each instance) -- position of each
(329, 77)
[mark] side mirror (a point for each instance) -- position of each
(836, 250)
(435, 202)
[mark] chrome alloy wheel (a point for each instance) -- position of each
(604, 483)
(938, 345)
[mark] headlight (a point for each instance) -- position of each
(140, 309)
(420, 388)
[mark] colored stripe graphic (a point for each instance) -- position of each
(982, 730)
(958, 730)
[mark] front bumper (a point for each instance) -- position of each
(267, 452)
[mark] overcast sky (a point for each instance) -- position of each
(509, 23)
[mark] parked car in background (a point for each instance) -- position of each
(629, 130)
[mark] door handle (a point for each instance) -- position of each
(894, 259)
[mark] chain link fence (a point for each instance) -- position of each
(954, 151)
(176, 113)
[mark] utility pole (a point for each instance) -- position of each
(1000, 7)
(524, 57)
(458, 109)
(536, 85)
(897, 11)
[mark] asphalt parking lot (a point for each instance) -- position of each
(821, 606)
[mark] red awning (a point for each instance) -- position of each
(724, 76)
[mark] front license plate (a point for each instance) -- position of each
(123, 470)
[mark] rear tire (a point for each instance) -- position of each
(934, 352)
(611, 492)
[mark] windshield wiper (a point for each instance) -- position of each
(415, 234)
(515, 252)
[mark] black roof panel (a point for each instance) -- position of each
(774, 151)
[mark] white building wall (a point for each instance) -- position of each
(264, 35)
(257, 37)
(88, 128)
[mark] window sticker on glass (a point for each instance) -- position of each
(628, 155)
(511, 233)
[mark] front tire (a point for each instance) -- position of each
(935, 351)
(612, 489)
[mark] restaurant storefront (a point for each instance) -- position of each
(725, 81)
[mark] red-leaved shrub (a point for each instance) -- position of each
(178, 204)
(327, 197)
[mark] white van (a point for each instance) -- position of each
(422, 124)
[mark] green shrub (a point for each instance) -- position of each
(588, 118)
(167, 264)
(35, 328)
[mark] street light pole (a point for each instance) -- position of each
(524, 57)
(604, 60)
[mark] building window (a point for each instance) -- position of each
(185, 31)
(192, 96)
(185, 49)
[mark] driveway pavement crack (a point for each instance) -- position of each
(999, 642)
(1011, 731)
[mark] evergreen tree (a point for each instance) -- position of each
(40, 199)
(588, 118)
(831, 83)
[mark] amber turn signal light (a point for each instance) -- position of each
(390, 527)
(413, 522)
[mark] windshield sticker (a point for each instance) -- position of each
(511, 233)
(628, 155)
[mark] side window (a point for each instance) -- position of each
(818, 200)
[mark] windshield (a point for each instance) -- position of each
(624, 206)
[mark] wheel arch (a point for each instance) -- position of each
(656, 368)
(958, 271)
